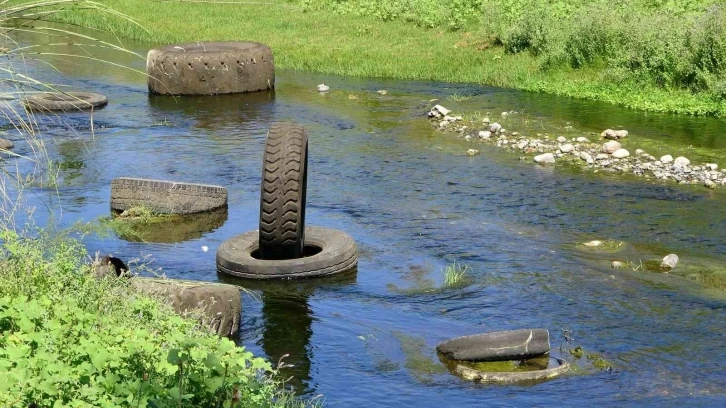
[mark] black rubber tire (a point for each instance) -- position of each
(209, 68)
(166, 197)
(283, 192)
(338, 255)
(512, 377)
(69, 101)
(497, 346)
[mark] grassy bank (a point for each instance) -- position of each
(68, 338)
(628, 53)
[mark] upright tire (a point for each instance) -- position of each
(283, 191)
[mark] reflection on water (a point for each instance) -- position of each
(409, 196)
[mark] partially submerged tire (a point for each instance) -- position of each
(327, 252)
(283, 192)
(497, 346)
(69, 101)
(208, 68)
(166, 197)
(485, 377)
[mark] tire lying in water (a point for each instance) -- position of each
(208, 68)
(69, 101)
(327, 252)
(166, 197)
(283, 192)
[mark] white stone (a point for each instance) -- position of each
(621, 134)
(323, 88)
(710, 184)
(441, 110)
(566, 148)
(467, 138)
(545, 158)
(610, 147)
(681, 161)
(601, 156)
(712, 166)
(586, 156)
(595, 243)
(583, 140)
(562, 139)
(669, 262)
(472, 152)
(485, 134)
(485, 121)
(382, 92)
(666, 159)
(621, 153)
(495, 127)
(617, 264)
(608, 134)
(521, 145)
(639, 151)
(505, 114)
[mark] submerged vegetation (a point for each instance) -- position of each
(631, 53)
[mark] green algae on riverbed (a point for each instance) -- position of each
(144, 226)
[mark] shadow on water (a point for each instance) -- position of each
(288, 323)
(212, 113)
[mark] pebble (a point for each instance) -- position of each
(567, 148)
(546, 158)
(495, 127)
(639, 152)
(382, 92)
(5, 144)
(610, 147)
(472, 152)
(323, 88)
(586, 156)
(669, 262)
(666, 159)
(681, 161)
(582, 140)
(562, 139)
(617, 264)
(485, 134)
(621, 153)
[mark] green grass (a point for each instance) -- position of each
(456, 275)
(361, 45)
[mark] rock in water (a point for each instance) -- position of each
(547, 158)
(5, 144)
(621, 134)
(441, 110)
(566, 148)
(608, 134)
(586, 156)
(485, 134)
(610, 147)
(495, 127)
(669, 262)
(666, 159)
(621, 153)
(681, 161)
(323, 88)
(472, 152)
(617, 264)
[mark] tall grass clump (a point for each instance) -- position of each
(456, 275)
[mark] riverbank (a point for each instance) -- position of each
(604, 152)
(359, 44)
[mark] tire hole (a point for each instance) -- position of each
(308, 251)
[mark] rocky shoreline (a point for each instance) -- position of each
(606, 154)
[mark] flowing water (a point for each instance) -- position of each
(415, 203)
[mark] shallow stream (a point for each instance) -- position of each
(414, 202)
